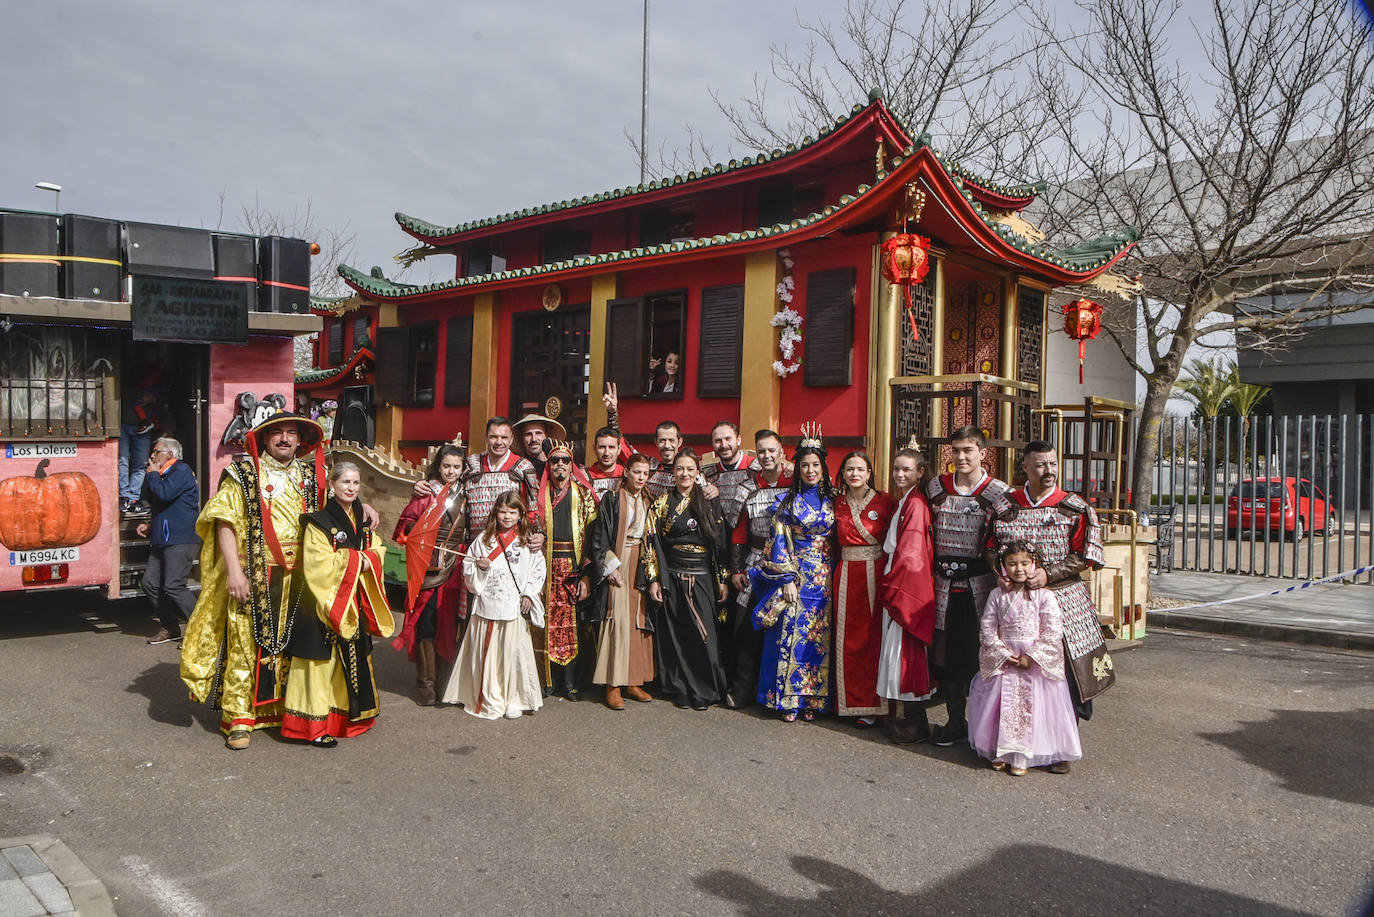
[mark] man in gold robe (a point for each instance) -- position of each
(563, 507)
(233, 655)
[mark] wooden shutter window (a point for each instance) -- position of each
(393, 365)
(336, 343)
(625, 359)
(458, 362)
(828, 333)
(722, 340)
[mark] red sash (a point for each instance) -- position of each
(506, 463)
(504, 540)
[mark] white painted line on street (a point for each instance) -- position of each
(170, 896)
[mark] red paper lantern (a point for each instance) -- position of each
(905, 262)
(1083, 323)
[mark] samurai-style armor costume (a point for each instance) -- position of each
(1065, 530)
(960, 525)
(735, 481)
(605, 482)
(742, 645)
(486, 478)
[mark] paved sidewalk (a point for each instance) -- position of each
(39, 875)
(1333, 614)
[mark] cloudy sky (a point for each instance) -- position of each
(182, 112)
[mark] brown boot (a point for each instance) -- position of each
(424, 673)
(613, 698)
(917, 723)
(635, 692)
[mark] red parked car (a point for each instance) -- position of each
(1291, 505)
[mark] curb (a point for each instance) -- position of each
(1307, 636)
(88, 894)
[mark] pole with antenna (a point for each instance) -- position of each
(644, 104)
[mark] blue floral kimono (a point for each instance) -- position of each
(795, 673)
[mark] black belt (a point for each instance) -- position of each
(956, 568)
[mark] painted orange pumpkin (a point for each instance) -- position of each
(48, 510)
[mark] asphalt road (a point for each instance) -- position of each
(1220, 777)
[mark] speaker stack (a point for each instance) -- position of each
(284, 272)
(170, 251)
(28, 254)
(91, 267)
(236, 261)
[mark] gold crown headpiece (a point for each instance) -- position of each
(557, 445)
(458, 441)
(913, 443)
(810, 435)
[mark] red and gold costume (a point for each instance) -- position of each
(566, 648)
(860, 527)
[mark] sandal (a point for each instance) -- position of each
(789, 716)
(324, 742)
(999, 765)
(1016, 771)
(238, 739)
(808, 715)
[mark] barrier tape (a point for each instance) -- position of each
(1348, 574)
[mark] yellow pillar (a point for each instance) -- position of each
(1008, 368)
(937, 346)
(605, 287)
(884, 345)
(482, 404)
(389, 416)
(759, 385)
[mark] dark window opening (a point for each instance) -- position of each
(424, 342)
(481, 259)
(645, 344)
(336, 341)
(666, 225)
(360, 332)
(566, 244)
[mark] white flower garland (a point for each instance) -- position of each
(787, 319)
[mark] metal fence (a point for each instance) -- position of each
(1268, 496)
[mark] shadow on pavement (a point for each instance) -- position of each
(1016, 879)
(168, 702)
(1311, 752)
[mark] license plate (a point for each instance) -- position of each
(44, 556)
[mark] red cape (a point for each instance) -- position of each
(907, 590)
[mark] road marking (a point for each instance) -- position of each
(170, 896)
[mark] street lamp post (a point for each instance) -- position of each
(57, 193)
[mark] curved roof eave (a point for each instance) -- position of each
(999, 242)
(795, 155)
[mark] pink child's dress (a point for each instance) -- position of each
(1023, 717)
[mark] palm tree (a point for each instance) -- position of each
(1210, 388)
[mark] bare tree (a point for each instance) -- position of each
(1247, 168)
(336, 243)
(953, 68)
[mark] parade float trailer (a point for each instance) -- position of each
(858, 278)
(91, 307)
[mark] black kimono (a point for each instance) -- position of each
(690, 567)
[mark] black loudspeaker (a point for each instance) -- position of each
(170, 251)
(28, 254)
(236, 261)
(284, 271)
(354, 421)
(91, 268)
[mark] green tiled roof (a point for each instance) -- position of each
(431, 230)
(1078, 259)
(324, 375)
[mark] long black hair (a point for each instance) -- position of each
(700, 506)
(823, 485)
(444, 451)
